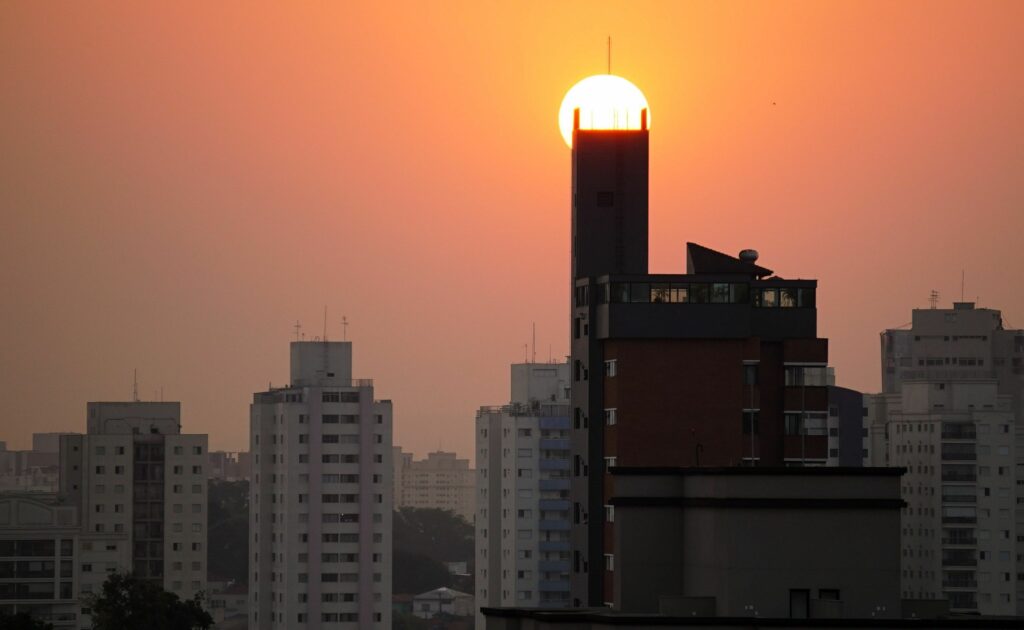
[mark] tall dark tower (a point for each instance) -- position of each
(609, 236)
(720, 366)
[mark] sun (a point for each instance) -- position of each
(605, 101)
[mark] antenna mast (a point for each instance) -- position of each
(344, 328)
(933, 299)
(298, 329)
(533, 347)
(325, 324)
(135, 385)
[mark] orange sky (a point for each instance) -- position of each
(179, 184)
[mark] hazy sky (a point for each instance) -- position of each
(180, 183)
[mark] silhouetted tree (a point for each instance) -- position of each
(228, 526)
(128, 603)
(414, 573)
(438, 534)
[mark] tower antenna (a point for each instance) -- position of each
(325, 324)
(933, 299)
(344, 328)
(298, 329)
(135, 385)
(533, 346)
(962, 277)
(609, 54)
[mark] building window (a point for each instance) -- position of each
(609, 562)
(611, 368)
(750, 423)
(610, 416)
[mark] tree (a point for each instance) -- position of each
(228, 526)
(414, 573)
(438, 534)
(22, 621)
(129, 603)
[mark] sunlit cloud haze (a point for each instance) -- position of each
(181, 182)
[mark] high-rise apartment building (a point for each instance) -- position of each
(721, 366)
(950, 413)
(321, 497)
(522, 519)
(441, 481)
(139, 485)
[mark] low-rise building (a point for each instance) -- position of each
(442, 601)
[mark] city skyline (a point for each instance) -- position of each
(176, 211)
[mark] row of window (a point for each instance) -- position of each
(700, 293)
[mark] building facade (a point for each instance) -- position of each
(721, 366)
(523, 507)
(321, 497)
(441, 481)
(950, 412)
(848, 442)
(139, 485)
(39, 540)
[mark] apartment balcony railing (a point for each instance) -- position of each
(558, 586)
(554, 505)
(950, 520)
(554, 444)
(554, 526)
(960, 584)
(959, 498)
(965, 457)
(957, 476)
(554, 464)
(554, 484)
(560, 566)
(959, 562)
(553, 545)
(952, 542)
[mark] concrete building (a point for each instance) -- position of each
(441, 481)
(321, 497)
(35, 470)
(139, 485)
(848, 442)
(721, 366)
(39, 558)
(950, 412)
(715, 546)
(228, 466)
(522, 520)
(442, 601)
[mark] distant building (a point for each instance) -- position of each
(442, 601)
(228, 604)
(441, 481)
(139, 485)
(321, 497)
(950, 411)
(40, 558)
(36, 470)
(226, 466)
(523, 509)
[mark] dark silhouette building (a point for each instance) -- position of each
(720, 366)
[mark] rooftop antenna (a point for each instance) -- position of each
(526, 353)
(609, 54)
(135, 385)
(534, 343)
(298, 329)
(325, 324)
(962, 276)
(344, 328)
(933, 299)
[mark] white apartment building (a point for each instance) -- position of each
(321, 497)
(522, 518)
(441, 481)
(139, 485)
(950, 413)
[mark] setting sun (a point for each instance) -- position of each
(605, 101)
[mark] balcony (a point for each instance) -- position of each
(959, 562)
(959, 498)
(556, 422)
(552, 444)
(960, 584)
(954, 520)
(557, 566)
(554, 484)
(965, 542)
(554, 505)
(554, 464)
(554, 526)
(959, 457)
(554, 586)
(553, 545)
